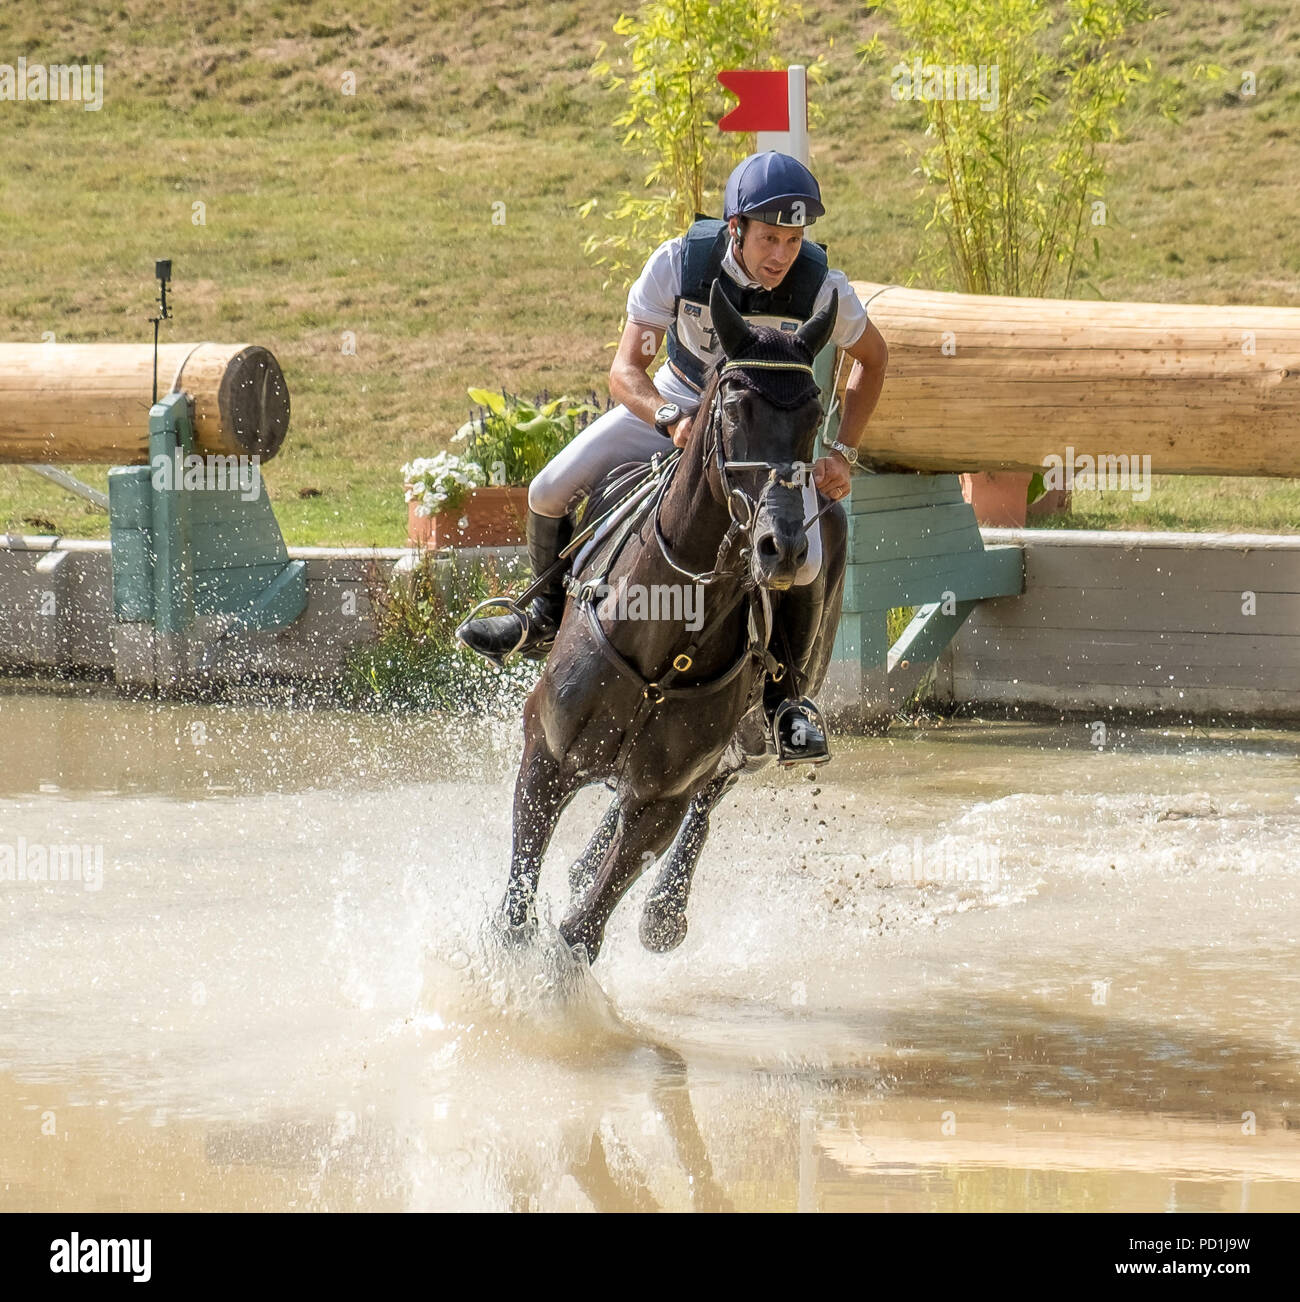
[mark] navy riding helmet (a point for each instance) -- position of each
(773, 188)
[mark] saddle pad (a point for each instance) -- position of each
(632, 502)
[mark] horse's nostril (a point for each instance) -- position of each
(766, 546)
(801, 552)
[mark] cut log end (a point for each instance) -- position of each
(90, 402)
(253, 400)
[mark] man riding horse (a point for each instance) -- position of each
(774, 277)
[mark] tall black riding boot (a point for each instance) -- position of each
(794, 722)
(497, 636)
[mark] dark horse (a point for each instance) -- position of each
(664, 715)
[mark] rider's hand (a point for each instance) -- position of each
(682, 431)
(831, 475)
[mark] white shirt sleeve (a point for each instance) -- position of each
(653, 297)
(851, 320)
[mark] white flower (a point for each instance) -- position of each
(432, 481)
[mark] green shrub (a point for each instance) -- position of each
(1015, 176)
(416, 662)
(674, 51)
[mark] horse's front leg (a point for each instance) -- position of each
(663, 920)
(540, 797)
(582, 872)
(643, 832)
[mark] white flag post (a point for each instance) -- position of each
(793, 141)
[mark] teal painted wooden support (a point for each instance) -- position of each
(932, 628)
(196, 536)
(913, 541)
(171, 439)
(130, 517)
(921, 643)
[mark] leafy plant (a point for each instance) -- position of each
(416, 662)
(674, 51)
(896, 620)
(511, 439)
(1014, 181)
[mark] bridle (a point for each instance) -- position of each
(741, 507)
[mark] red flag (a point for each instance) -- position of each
(764, 101)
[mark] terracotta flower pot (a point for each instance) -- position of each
(998, 497)
(1056, 501)
(488, 517)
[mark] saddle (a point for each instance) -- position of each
(619, 505)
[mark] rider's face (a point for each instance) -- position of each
(769, 251)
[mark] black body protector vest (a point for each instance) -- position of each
(692, 344)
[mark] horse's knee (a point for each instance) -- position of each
(547, 495)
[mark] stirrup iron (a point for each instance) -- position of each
(505, 603)
(785, 756)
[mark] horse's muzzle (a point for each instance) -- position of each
(780, 550)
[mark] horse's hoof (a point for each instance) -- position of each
(581, 942)
(662, 932)
(515, 928)
(523, 934)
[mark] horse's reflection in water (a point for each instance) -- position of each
(622, 1184)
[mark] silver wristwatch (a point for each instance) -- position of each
(666, 417)
(849, 454)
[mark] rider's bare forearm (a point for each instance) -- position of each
(633, 387)
(860, 397)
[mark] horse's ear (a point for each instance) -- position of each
(732, 329)
(817, 329)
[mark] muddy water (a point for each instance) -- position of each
(982, 966)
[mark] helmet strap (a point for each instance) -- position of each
(738, 238)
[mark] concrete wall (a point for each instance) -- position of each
(1139, 621)
(56, 613)
(1144, 621)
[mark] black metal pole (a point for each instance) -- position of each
(162, 269)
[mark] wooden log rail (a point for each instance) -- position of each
(90, 402)
(988, 383)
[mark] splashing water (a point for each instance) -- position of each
(287, 990)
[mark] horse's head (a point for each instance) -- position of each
(764, 412)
